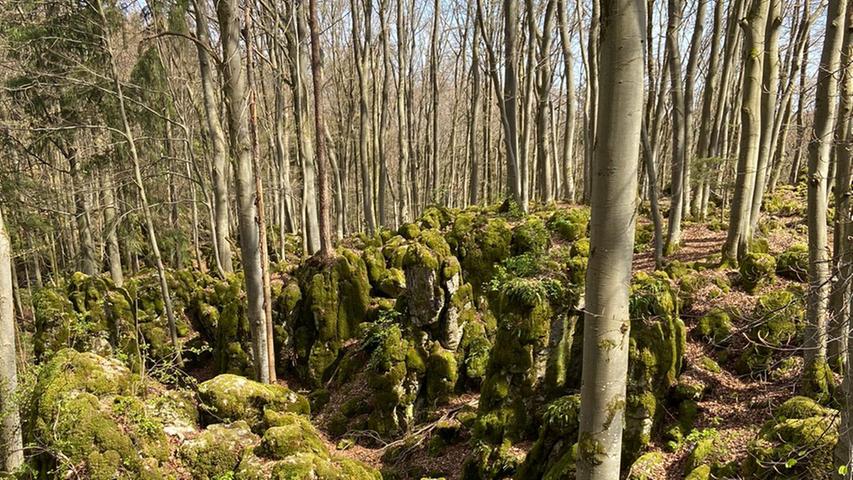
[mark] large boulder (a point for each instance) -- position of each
(229, 398)
(86, 421)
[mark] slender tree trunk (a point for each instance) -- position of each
(110, 225)
(592, 97)
(543, 79)
(259, 191)
(568, 192)
(820, 148)
(11, 441)
(768, 109)
(473, 125)
(510, 101)
(88, 264)
(238, 126)
(842, 261)
(607, 322)
(322, 176)
(217, 139)
(679, 127)
(738, 238)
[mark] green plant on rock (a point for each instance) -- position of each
(571, 224)
(530, 236)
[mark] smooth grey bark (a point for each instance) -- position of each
(510, 102)
(568, 192)
(689, 87)
(842, 262)
(110, 229)
(703, 149)
(592, 96)
(820, 148)
(403, 190)
(679, 128)
(236, 101)
(299, 63)
(770, 85)
(544, 165)
(473, 125)
(219, 149)
(322, 175)
(614, 197)
(360, 47)
(11, 441)
(738, 237)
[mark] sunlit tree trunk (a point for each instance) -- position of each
(737, 240)
(236, 101)
(614, 197)
(820, 148)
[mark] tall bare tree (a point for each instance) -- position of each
(11, 441)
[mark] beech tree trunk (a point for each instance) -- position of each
(820, 148)
(739, 235)
(11, 441)
(247, 211)
(219, 150)
(614, 197)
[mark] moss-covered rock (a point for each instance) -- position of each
(557, 435)
(798, 444)
(216, 451)
(776, 324)
(442, 374)
(757, 270)
(480, 242)
(571, 223)
(228, 398)
(292, 434)
(715, 326)
(335, 299)
(793, 263)
(84, 418)
(530, 236)
(646, 467)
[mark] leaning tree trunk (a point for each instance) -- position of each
(737, 240)
(247, 211)
(11, 443)
(825, 112)
(568, 192)
(614, 197)
(510, 102)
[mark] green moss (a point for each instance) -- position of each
(794, 447)
(580, 248)
(702, 472)
(230, 397)
(409, 231)
(776, 323)
(435, 216)
(646, 467)
(710, 364)
(756, 270)
(715, 326)
(530, 236)
(218, 450)
(818, 381)
(793, 263)
(571, 224)
(83, 416)
(441, 374)
(292, 434)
